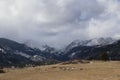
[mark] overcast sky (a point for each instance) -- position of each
(58, 22)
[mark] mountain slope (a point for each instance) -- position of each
(13, 53)
(92, 42)
(112, 51)
(17, 54)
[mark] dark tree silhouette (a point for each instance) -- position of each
(104, 56)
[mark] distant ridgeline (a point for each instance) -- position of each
(16, 54)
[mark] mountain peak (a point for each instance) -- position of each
(91, 42)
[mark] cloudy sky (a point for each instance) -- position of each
(58, 22)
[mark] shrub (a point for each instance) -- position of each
(2, 71)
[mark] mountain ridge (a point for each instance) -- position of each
(14, 53)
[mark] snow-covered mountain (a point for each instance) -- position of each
(13, 53)
(91, 42)
(17, 54)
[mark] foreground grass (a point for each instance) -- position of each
(89, 71)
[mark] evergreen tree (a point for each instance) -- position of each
(104, 56)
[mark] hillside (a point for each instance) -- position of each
(17, 54)
(95, 52)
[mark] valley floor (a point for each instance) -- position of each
(95, 70)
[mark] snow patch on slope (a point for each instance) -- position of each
(92, 42)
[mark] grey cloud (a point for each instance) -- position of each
(58, 22)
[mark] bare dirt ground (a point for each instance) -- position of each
(95, 70)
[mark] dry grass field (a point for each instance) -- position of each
(96, 70)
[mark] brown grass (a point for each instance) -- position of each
(91, 71)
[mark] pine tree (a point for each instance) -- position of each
(104, 56)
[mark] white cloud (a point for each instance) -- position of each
(58, 22)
